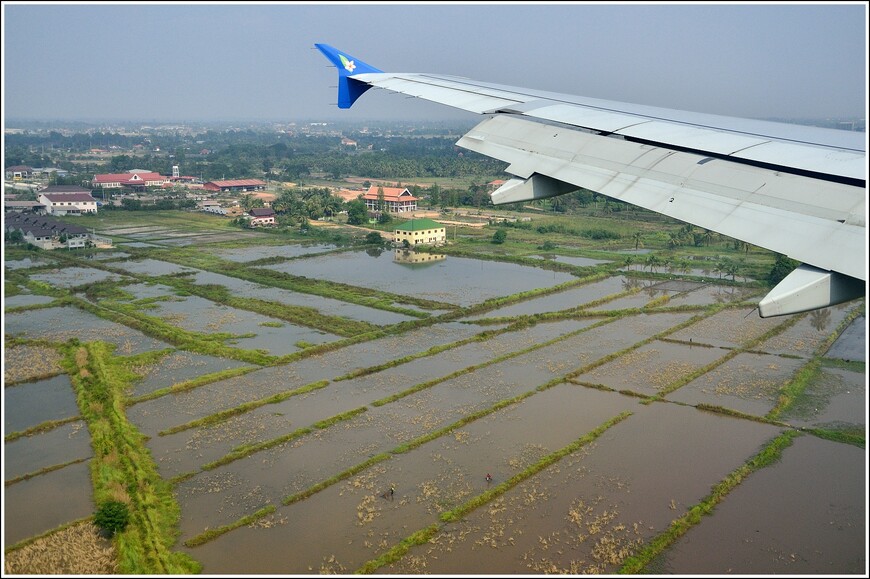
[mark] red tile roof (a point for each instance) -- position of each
(390, 193)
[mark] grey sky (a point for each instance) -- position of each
(179, 62)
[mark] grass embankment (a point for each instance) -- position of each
(770, 454)
(122, 468)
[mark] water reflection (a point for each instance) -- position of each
(405, 256)
(820, 319)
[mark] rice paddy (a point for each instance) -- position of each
(603, 409)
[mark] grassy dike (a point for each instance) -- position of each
(122, 468)
(770, 454)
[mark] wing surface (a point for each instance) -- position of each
(792, 189)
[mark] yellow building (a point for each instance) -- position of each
(420, 232)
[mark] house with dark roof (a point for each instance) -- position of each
(236, 185)
(16, 172)
(46, 232)
(261, 216)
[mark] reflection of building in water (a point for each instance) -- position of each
(412, 257)
(420, 231)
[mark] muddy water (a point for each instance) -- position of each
(803, 515)
(42, 503)
(652, 367)
(611, 496)
(729, 328)
(25, 300)
(201, 315)
(563, 300)
(456, 280)
(180, 366)
(62, 324)
(74, 276)
(27, 405)
(748, 383)
(324, 305)
(29, 454)
(152, 267)
(618, 491)
(382, 428)
(835, 399)
(268, 422)
(436, 476)
(246, 254)
(162, 413)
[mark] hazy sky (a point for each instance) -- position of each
(168, 61)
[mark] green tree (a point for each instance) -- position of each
(781, 268)
(499, 236)
(357, 214)
(374, 238)
(112, 517)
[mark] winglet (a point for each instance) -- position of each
(349, 89)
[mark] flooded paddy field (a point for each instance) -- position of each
(246, 254)
(455, 280)
(29, 404)
(333, 306)
(64, 323)
(598, 430)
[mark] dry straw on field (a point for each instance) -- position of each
(75, 550)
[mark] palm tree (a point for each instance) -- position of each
(637, 241)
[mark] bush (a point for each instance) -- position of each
(112, 517)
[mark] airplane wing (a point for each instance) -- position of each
(795, 190)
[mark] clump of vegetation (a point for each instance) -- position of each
(112, 517)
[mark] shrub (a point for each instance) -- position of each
(112, 517)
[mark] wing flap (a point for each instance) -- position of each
(800, 217)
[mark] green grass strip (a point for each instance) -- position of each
(122, 467)
(193, 383)
(242, 408)
(214, 533)
(247, 449)
(488, 495)
(770, 454)
(496, 360)
(40, 428)
(45, 470)
(421, 537)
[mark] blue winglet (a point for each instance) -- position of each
(349, 89)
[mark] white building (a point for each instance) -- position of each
(68, 203)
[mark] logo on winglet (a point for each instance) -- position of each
(348, 64)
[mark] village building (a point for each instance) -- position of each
(420, 232)
(18, 172)
(135, 181)
(395, 199)
(68, 203)
(262, 216)
(235, 186)
(46, 232)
